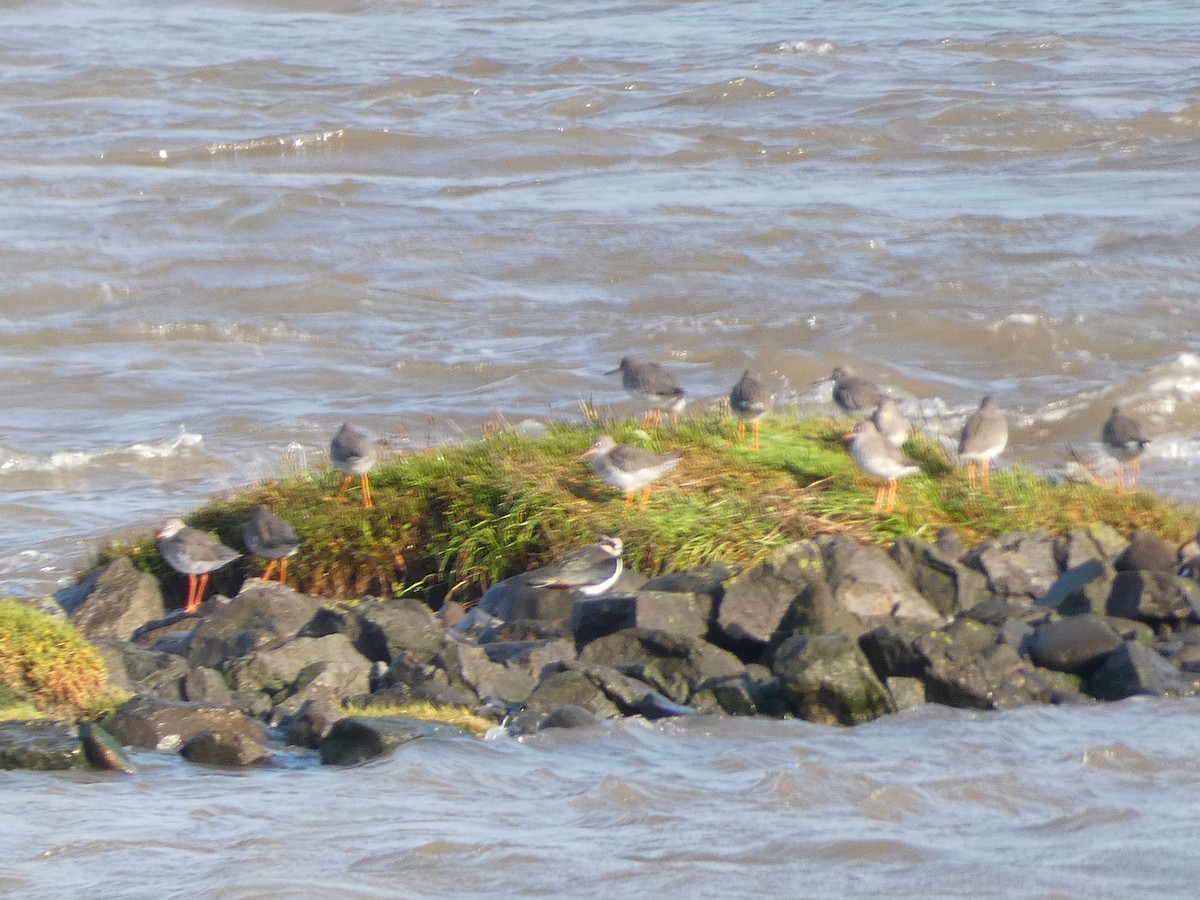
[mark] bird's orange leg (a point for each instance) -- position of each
(628, 499)
(891, 504)
(1137, 468)
(878, 504)
(757, 426)
(283, 571)
(971, 474)
(741, 431)
(342, 493)
(266, 575)
(368, 502)
(645, 496)
(1120, 478)
(987, 468)
(190, 604)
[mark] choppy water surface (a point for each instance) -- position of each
(1095, 802)
(230, 226)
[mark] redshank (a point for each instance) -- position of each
(892, 423)
(272, 538)
(352, 453)
(195, 553)
(591, 570)
(1123, 439)
(876, 456)
(983, 438)
(851, 392)
(750, 401)
(654, 386)
(629, 468)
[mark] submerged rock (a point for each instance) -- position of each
(103, 751)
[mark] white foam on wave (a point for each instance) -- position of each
(70, 460)
(817, 47)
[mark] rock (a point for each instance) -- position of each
(868, 583)
(966, 666)
(569, 716)
(1132, 669)
(891, 649)
(705, 583)
(674, 664)
(632, 696)
(389, 628)
(258, 618)
(220, 748)
(906, 692)
(469, 666)
(1155, 597)
(103, 751)
(531, 657)
(1018, 566)
(282, 669)
(155, 724)
(568, 686)
(44, 746)
(950, 544)
(1083, 588)
(748, 693)
(358, 739)
(1090, 542)
(671, 612)
(311, 723)
(1147, 552)
(121, 600)
(939, 577)
(1073, 644)
(757, 601)
(204, 685)
(827, 679)
(140, 671)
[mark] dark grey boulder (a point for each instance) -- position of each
(815, 611)
(259, 618)
(1154, 597)
(1132, 669)
(939, 577)
(204, 685)
(1089, 542)
(389, 628)
(223, 748)
(950, 544)
(673, 664)
(756, 602)
(530, 657)
(1084, 588)
(868, 583)
(1020, 566)
(121, 600)
(569, 716)
(281, 670)
(827, 679)
(748, 693)
(155, 724)
(44, 746)
(705, 583)
(140, 671)
(563, 686)
(1074, 644)
(632, 696)
(311, 723)
(668, 611)
(966, 665)
(468, 666)
(891, 648)
(359, 739)
(1147, 552)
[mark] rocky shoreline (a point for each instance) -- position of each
(828, 630)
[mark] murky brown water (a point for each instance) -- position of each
(1095, 802)
(230, 226)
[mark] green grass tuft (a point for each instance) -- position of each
(450, 522)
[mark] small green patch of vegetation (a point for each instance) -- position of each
(44, 663)
(449, 522)
(458, 716)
